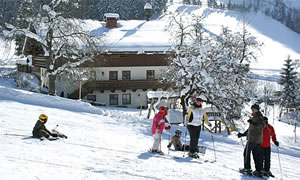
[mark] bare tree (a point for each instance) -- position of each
(65, 42)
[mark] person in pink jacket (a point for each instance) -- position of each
(158, 127)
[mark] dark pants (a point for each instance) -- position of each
(184, 147)
(257, 153)
(194, 132)
(43, 133)
(267, 158)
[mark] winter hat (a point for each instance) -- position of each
(255, 107)
(43, 118)
(198, 99)
(163, 110)
(177, 132)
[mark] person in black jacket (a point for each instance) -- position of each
(40, 130)
(255, 137)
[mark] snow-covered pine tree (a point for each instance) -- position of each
(64, 41)
(290, 83)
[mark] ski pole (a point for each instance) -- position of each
(9, 134)
(55, 127)
(212, 138)
(169, 141)
(160, 143)
(242, 142)
(184, 141)
(279, 162)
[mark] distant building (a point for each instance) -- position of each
(135, 56)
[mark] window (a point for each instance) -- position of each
(150, 74)
(126, 99)
(113, 99)
(125, 75)
(91, 97)
(113, 75)
(93, 75)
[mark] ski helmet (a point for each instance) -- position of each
(163, 110)
(43, 118)
(177, 132)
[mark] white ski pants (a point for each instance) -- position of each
(157, 139)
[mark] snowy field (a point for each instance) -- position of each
(112, 143)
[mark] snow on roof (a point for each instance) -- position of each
(147, 6)
(133, 35)
(111, 15)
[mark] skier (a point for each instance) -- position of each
(267, 133)
(255, 137)
(40, 130)
(194, 120)
(158, 127)
(177, 143)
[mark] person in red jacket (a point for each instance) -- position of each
(268, 132)
(158, 127)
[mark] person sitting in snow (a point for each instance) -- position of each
(40, 130)
(177, 143)
(266, 146)
(158, 127)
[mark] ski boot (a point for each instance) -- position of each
(194, 155)
(269, 174)
(257, 174)
(157, 152)
(246, 171)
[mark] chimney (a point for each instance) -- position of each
(148, 8)
(111, 20)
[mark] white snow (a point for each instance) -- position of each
(112, 143)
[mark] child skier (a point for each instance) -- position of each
(158, 127)
(177, 143)
(40, 130)
(266, 146)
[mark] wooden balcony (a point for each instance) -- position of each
(125, 84)
(145, 85)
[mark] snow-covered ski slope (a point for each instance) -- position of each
(112, 143)
(279, 42)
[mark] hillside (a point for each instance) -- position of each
(112, 143)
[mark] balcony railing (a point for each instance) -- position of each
(125, 84)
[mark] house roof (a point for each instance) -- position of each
(138, 36)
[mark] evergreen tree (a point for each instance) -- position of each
(288, 80)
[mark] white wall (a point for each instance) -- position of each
(137, 73)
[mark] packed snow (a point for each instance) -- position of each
(113, 143)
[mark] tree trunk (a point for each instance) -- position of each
(295, 132)
(183, 108)
(52, 84)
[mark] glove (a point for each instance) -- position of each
(167, 127)
(239, 135)
(169, 146)
(209, 124)
(251, 122)
(276, 143)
